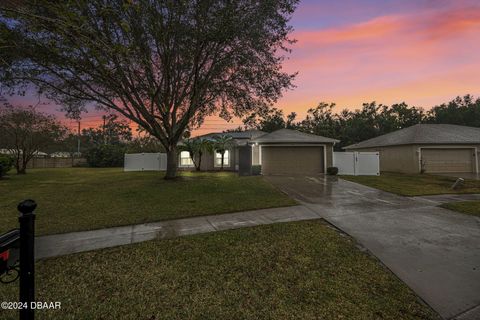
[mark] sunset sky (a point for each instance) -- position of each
(423, 52)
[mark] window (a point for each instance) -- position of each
(185, 160)
(226, 159)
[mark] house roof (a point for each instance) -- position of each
(239, 137)
(247, 134)
(12, 152)
(424, 134)
(292, 136)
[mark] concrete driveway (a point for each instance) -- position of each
(433, 250)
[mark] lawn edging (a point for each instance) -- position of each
(411, 185)
(471, 207)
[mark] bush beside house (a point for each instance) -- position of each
(332, 171)
(105, 156)
(256, 170)
(6, 164)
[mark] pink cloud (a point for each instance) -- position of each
(389, 57)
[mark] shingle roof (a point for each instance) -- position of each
(247, 134)
(424, 134)
(292, 136)
(11, 152)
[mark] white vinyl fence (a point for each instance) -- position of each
(145, 162)
(357, 163)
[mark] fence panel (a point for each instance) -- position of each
(357, 163)
(42, 163)
(145, 162)
(367, 164)
(345, 162)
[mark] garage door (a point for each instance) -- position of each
(448, 160)
(292, 160)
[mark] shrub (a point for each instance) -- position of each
(332, 171)
(105, 156)
(6, 163)
(256, 170)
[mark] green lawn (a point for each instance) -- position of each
(414, 184)
(298, 270)
(77, 199)
(467, 207)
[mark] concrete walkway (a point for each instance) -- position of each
(63, 244)
(435, 251)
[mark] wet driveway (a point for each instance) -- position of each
(433, 250)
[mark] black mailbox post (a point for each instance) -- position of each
(17, 257)
(27, 256)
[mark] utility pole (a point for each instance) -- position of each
(78, 139)
(104, 129)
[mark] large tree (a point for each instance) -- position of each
(321, 121)
(461, 111)
(163, 64)
(24, 132)
(112, 131)
(269, 120)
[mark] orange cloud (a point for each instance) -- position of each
(373, 29)
(423, 58)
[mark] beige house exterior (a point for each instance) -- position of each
(283, 151)
(288, 151)
(429, 148)
(212, 161)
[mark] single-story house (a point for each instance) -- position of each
(430, 148)
(284, 151)
(231, 161)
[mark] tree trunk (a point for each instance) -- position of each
(172, 163)
(192, 156)
(199, 160)
(21, 165)
(21, 168)
(223, 156)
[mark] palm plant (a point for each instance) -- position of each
(204, 145)
(221, 144)
(196, 148)
(191, 146)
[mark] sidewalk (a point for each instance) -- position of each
(67, 243)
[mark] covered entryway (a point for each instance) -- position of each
(438, 160)
(292, 160)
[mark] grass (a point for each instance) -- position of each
(298, 270)
(467, 207)
(76, 199)
(414, 184)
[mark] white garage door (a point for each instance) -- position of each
(448, 160)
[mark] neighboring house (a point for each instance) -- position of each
(37, 154)
(431, 148)
(64, 154)
(283, 151)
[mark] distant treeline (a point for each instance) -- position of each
(370, 121)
